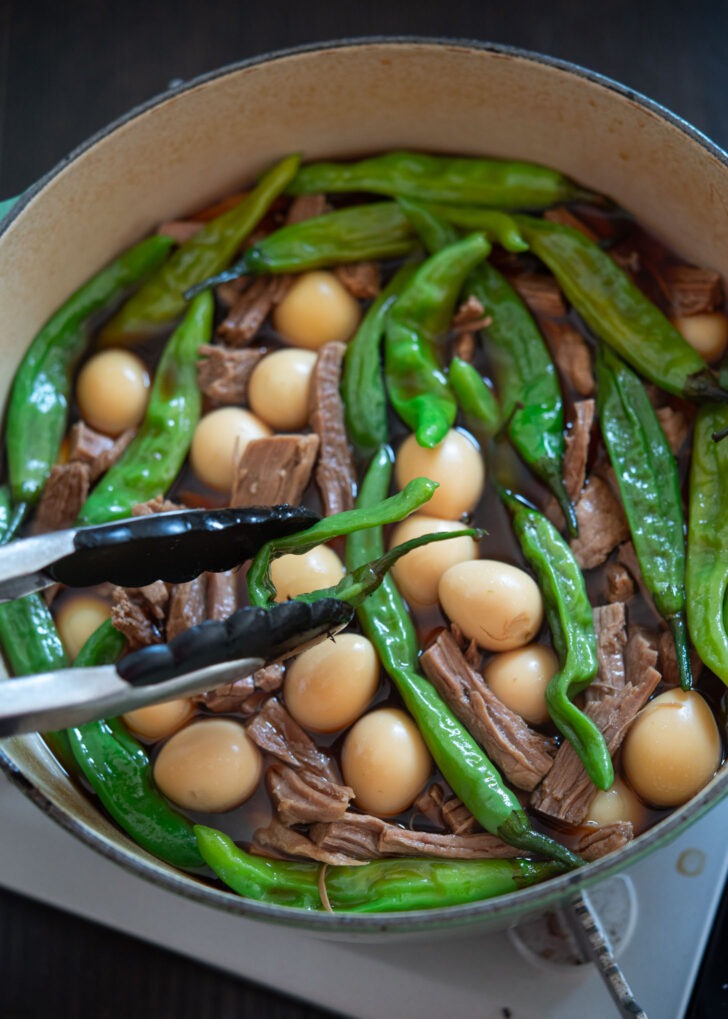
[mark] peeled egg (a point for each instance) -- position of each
(418, 573)
(330, 685)
(77, 617)
(316, 310)
(519, 678)
(216, 438)
(157, 721)
(279, 387)
(296, 574)
(385, 761)
(610, 806)
(112, 391)
(455, 463)
(493, 603)
(211, 766)
(672, 748)
(707, 333)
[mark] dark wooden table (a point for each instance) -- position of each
(67, 69)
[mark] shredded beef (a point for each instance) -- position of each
(222, 594)
(578, 439)
(180, 230)
(561, 215)
(464, 346)
(246, 695)
(470, 316)
(274, 731)
(610, 625)
(457, 817)
(524, 755)
(627, 557)
(306, 207)
(567, 790)
(571, 354)
(604, 839)
(301, 797)
(335, 474)
(279, 841)
(252, 308)
(692, 290)
(602, 524)
(274, 470)
(619, 583)
(187, 606)
(541, 293)
(64, 494)
(223, 374)
(675, 425)
(365, 837)
(140, 613)
(363, 280)
(99, 451)
(156, 505)
(667, 660)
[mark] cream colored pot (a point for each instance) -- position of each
(209, 137)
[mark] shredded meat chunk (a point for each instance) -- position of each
(363, 280)
(692, 290)
(180, 230)
(306, 207)
(222, 594)
(187, 606)
(619, 583)
(571, 354)
(156, 505)
(675, 425)
(335, 474)
(245, 695)
(578, 440)
(567, 790)
(602, 524)
(561, 215)
(140, 613)
(523, 754)
(275, 732)
(252, 308)
(301, 797)
(541, 293)
(604, 839)
(277, 840)
(64, 494)
(610, 625)
(274, 470)
(99, 451)
(223, 374)
(365, 837)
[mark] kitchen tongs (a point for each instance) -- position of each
(174, 547)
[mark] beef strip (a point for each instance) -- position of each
(675, 425)
(571, 354)
(306, 207)
(578, 439)
(602, 524)
(64, 494)
(223, 374)
(667, 660)
(222, 594)
(187, 606)
(561, 215)
(335, 473)
(470, 316)
(464, 346)
(99, 451)
(279, 841)
(692, 290)
(180, 230)
(247, 695)
(610, 625)
(156, 505)
(140, 613)
(567, 790)
(367, 837)
(363, 280)
(457, 817)
(619, 583)
(541, 293)
(627, 557)
(252, 308)
(523, 754)
(275, 732)
(274, 470)
(301, 797)
(604, 839)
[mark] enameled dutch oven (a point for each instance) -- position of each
(206, 138)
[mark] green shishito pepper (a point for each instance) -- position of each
(161, 300)
(362, 384)
(464, 765)
(647, 476)
(527, 382)
(153, 459)
(357, 233)
(499, 183)
(382, 886)
(39, 398)
(619, 313)
(475, 399)
(417, 386)
(707, 558)
(498, 227)
(571, 621)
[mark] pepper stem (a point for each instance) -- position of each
(240, 268)
(679, 631)
(517, 833)
(704, 385)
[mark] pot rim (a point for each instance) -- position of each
(519, 904)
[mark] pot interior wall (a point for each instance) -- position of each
(216, 135)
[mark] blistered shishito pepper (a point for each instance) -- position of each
(417, 385)
(647, 476)
(504, 184)
(152, 461)
(40, 394)
(161, 300)
(619, 313)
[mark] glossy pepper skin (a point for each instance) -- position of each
(502, 184)
(417, 386)
(118, 770)
(475, 398)
(381, 886)
(41, 391)
(527, 382)
(362, 382)
(571, 621)
(647, 476)
(161, 300)
(707, 556)
(153, 459)
(356, 233)
(386, 622)
(619, 313)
